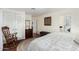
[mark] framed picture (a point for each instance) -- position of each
(47, 21)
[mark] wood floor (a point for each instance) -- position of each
(5, 48)
(20, 43)
(24, 44)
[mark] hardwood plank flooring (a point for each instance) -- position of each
(5, 48)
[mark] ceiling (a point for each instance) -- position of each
(38, 11)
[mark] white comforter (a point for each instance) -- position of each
(57, 41)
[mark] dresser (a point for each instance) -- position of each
(28, 33)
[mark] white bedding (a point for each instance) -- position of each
(57, 41)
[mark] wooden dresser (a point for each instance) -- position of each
(28, 33)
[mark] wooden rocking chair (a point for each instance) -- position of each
(10, 38)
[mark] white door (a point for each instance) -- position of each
(20, 27)
(67, 25)
(34, 23)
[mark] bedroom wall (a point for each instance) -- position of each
(29, 17)
(1, 41)
(58, 20)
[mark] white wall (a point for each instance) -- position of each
(1, 41)
(29, 17)
(58, 20)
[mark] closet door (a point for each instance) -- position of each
(16, 22)
(20, 25)
(67, 25)
(9, 20)
(34, 26)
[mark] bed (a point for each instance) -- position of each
(56, 41)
